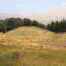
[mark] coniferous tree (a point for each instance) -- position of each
(35, 23)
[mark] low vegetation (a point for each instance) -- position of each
(17, 56)
(32, 46)
(29, 45)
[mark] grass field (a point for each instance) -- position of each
(32, 46)
(17, 56)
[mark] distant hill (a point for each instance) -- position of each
(32, 46)
(32, 36)
(27, 35)
(56, 14)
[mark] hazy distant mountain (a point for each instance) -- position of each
(57, 14)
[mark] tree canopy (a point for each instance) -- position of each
(12, 23)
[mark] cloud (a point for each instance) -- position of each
(45, 18)
(57, 14)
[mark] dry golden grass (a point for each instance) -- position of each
(32, 46)
(32, 36)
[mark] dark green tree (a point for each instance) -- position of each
(27, 22)
(35, 23)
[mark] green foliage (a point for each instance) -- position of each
(57, 26)
(27, 22)
(35, 23)
(12, 23)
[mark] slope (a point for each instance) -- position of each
(27, 36)
(32, 36)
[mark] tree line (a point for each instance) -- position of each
(12, 23)
(57, 26)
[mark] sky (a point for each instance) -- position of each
(30, 6)
(41, 10)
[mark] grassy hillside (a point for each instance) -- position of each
(32, 46)
(32, 36)
(27, 35)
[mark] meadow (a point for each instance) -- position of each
(17, 56)
(32, 46)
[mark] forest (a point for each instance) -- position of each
(12, 23)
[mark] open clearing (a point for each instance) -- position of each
(32, 36)
(32, 46)
(17, 56)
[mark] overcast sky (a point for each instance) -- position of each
(41, 10)
(30, 6)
